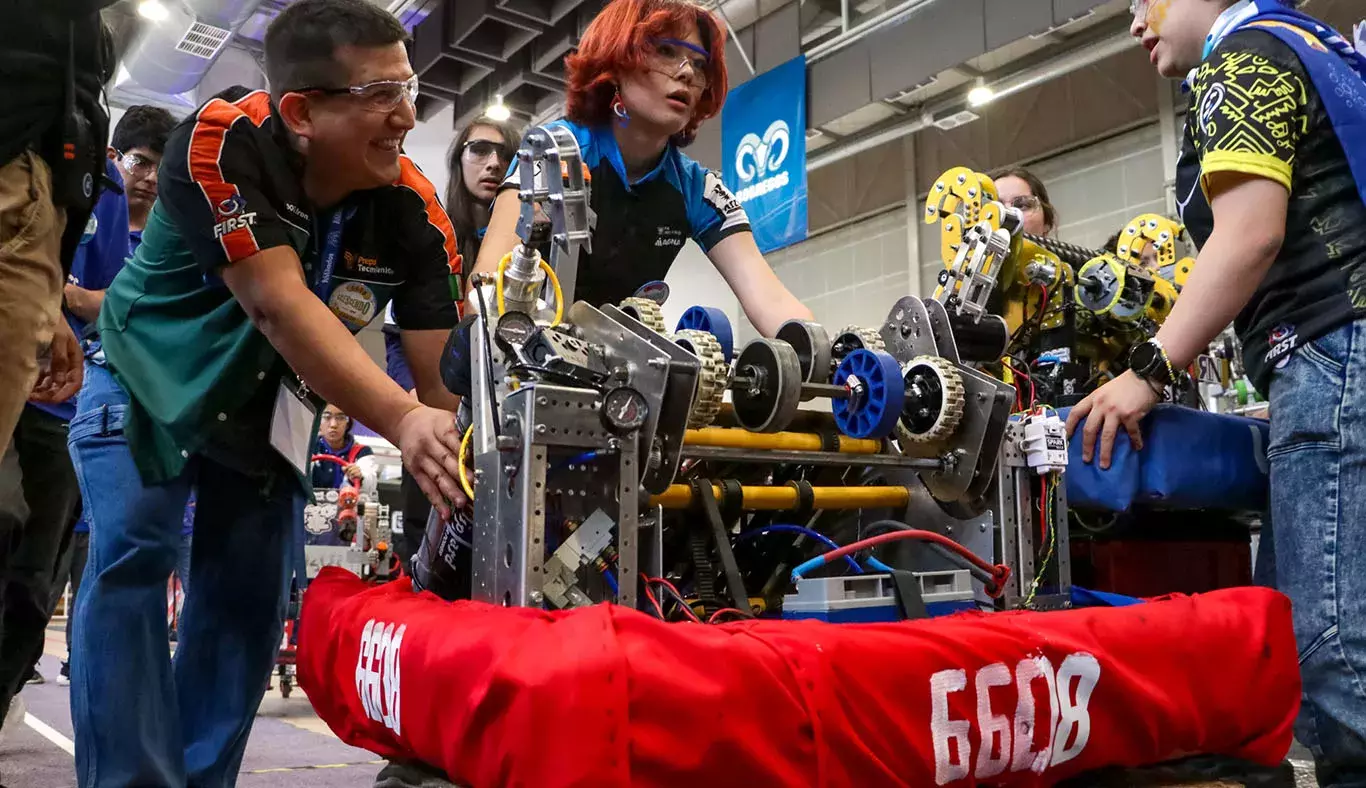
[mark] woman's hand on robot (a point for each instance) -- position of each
(430, 445)
(1123, 402)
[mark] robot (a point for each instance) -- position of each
(613, 459)
(1069, 314)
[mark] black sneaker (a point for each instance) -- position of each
(34, 677)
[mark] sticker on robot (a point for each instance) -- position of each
(354, 304)
(318, 518)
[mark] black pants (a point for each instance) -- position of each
(70, 567)
(38, 497)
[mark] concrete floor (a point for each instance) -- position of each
(290, 746)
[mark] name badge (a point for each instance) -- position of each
(291, 427)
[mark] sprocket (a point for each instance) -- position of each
(935, 400)
(711, 378)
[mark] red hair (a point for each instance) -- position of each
(614, 44)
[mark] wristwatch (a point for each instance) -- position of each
(1149, 361)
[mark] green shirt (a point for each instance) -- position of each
(201, 378)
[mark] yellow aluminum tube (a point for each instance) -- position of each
(679, 496)
(774, 441)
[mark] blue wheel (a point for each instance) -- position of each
(879, 392)
(714, 322)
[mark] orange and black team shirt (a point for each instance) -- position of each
(1254, 110)
(201, 378)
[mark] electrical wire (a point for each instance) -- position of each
(550, 274)
(488, 355)
(797, 529)
(1052, 545)
(999, 572)
(673, 591)
(712, 619)
(460, 463)
(659, 611)
(985, 576)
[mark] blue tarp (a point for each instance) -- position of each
(1191, 460)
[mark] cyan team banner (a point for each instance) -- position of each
(763, 144)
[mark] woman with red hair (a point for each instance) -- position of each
(646, 75)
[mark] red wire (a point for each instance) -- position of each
(650, 596)
(671, 587)
(724, 610)
(999, 572)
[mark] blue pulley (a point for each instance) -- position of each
(877, 392)
(714, 322)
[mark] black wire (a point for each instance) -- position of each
(488, 358)
(943, 552)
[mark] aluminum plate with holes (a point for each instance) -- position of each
(907, 332)
(940, 330)
(566, 416)
(670, 420)
(951, 484)
(509, 515)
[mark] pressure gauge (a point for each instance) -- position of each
(624, 410)
(515, 328)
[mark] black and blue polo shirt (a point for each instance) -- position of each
(643, 224)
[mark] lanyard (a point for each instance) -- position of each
(327, 258)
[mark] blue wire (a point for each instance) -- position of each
(611, 581)
(877, 565)
(797, 529)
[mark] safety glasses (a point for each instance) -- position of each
(1137, 7)
(382, 96)
(137, 165)
(671, 56)
(482, 150)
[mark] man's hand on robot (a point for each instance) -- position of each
(352, 472)
(429, 444)
(1123, 402)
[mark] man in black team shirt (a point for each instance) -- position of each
(1271, 182)
(286, 222)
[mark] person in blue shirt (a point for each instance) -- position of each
(47, 507)
(646, 75)
(336, 438)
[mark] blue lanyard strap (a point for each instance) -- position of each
(327, 257)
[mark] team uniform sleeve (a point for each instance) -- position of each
(426, 300)
(213, 186)
(1251, 110)
(714, 212)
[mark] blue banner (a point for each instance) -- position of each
(763, 153)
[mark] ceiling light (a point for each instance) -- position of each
(980, 95)
(153, 10)
(498, 111)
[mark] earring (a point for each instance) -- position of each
(619, 109)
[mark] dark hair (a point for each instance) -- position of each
(615, 43)
(302, 42)
(1036, 187)
(459, 202)
(143, 126)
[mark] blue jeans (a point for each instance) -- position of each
(1318, 516)
(141, 719)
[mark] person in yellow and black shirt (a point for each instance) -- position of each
(1272, 187)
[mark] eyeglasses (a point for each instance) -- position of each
(1026, 202)
(1137, 7)
(137, 165)
(481, 150)
(669, 56)
(382, 96)
(336, 418)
